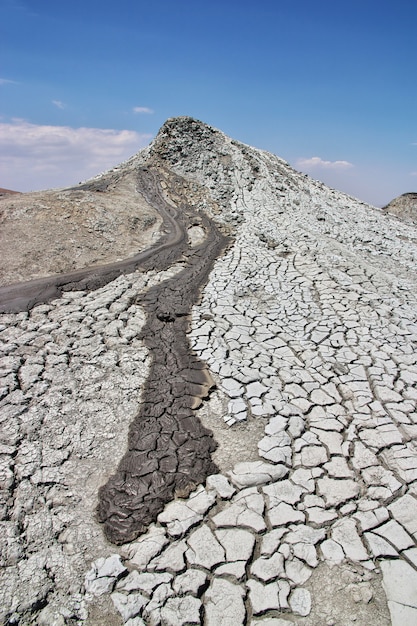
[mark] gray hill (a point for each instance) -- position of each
(208, 398)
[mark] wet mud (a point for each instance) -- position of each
(169, 450)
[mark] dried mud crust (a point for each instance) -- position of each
(169, 449)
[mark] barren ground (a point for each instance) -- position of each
(56, 231)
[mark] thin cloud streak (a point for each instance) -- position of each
(319, 163)
(57, 156)
(142, 110)
(6, 81)
(59, 104)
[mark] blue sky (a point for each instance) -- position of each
(330, 86)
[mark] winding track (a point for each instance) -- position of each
(24, 296)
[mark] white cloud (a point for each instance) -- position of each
(142, 110)
(6, 81)
(41, 157)
(59, 104)
(319, 163)
(413, 173)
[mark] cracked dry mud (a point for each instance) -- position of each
(306, 325)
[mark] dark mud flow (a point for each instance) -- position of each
(169, 451)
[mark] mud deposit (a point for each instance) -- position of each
(169, 449)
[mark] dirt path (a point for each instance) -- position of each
(23, 296)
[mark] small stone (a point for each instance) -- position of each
(263, 597)
(147, 547)
(237, 542)
(399, 582)
(300, 602)
(404, 510)
(220, 484)
(204, 549)
(297, 572)
(268, 568)
(256, 473)
(179, 611)
(312, 456)
(224, 604)
(190, 582)
(128, 605)
(344, 533)
(332, 552)
(335, 491)
(362, 592)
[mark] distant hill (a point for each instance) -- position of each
(405, 206)
(4, 192)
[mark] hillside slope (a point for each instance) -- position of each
(405, 206)
(278, 315)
